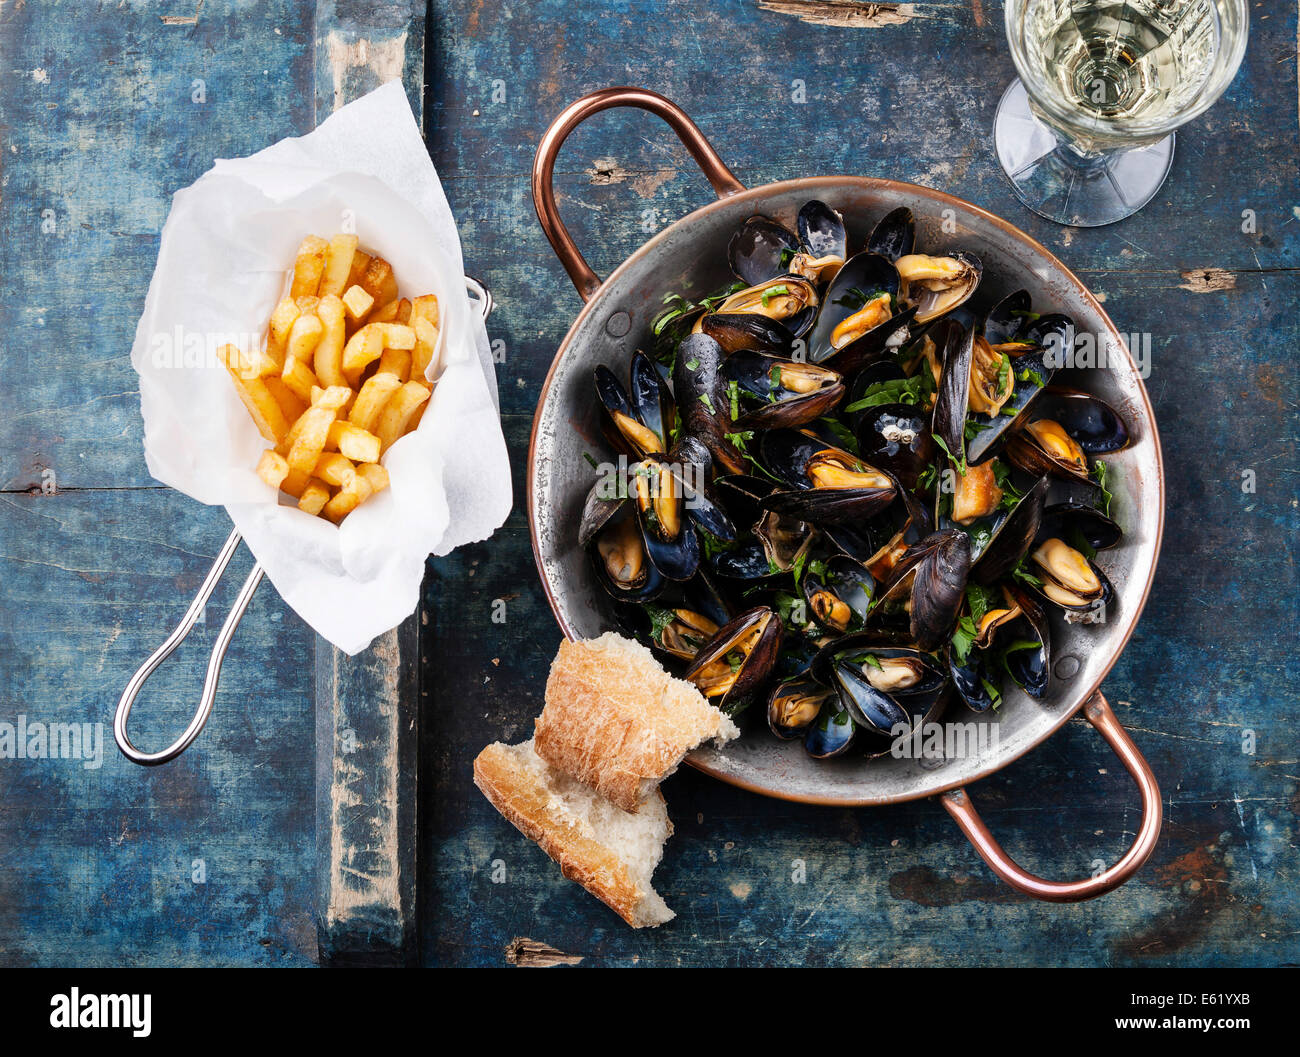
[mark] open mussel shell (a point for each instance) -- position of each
(833, 733)
(879, 683)
(821, 231)
(690, 462)
(680, 620)
(1007, 318)
(1030, 667)
(840, 597)
(618, 550)
(1073, 521)
(636, 423)
(929, 584)
(936, 285)
(894, 235)
(760, 250)
(896, 438)
(1032, 374)
(1071, 581)
(747, 331)
(794, 704)
(779, 393)
(670, 538)
(790, 300)
(702, 401)
(1012, 537)
(1041, 446)
(1095, 426)
(856, 324)
(827, 483)
(737, 661)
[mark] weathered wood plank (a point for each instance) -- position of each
(368, 706)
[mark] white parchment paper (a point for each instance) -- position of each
(222, 264)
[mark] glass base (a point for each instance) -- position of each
(1059, 183)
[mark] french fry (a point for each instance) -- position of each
(290, 403)
(360, 262)
(376, 476)
(396, 362)
(333, 398)
(378, 281)
(338, 265)
(426, 346)
(262, 406)
(353, 493)
(272, 468)
(358, 303)
(334, 468)
(282, 320)
(396, 416)
(313, 429)
(295, 484)
(304, 336)
(329, 353)
(356, 443)
(368, 344)
(308, 267)
(425, 307)
(299, 378)
(307, 304)
(370, 401)
(403, 315)
(387, 314)
(314, 497)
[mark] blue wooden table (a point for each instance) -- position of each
(215, 858)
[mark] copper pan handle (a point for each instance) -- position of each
(715, 170)
(1099, 714)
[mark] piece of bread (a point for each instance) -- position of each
(610, 852)
(616, 721)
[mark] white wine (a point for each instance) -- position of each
(1118, 68)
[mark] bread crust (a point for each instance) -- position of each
(617, 722)
(523, 796)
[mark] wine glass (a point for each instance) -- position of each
(1086, 134)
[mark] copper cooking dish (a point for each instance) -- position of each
(690, 257)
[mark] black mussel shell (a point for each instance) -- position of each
(833, 733)
(1007, 318)
(1013, 537)
(741, 494)
(675, 553)
(702, 401)
(1074, 521)
(931, 574)
(794, 704)
(894, 235)
(1025, 452)
(690, 462)
(746, 563)
(605, 499)
(624, 527)
(869, 707)
(955, 346)
(1092, 423)
(650, 397)
(1055, 334)
(614, 401)
(821, 231)
(1032, 374)
(744, 331)
(864, 276)
(760, 250)
(969, 680)
(840, 597)
(1030, 668)
(769, 402)
(1094, 610)
(785, 539)
(735, 684)
(896, 438)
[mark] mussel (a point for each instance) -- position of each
(702, 400)
(937, 285)
(737, 661)
(775, 392)
(860, 321)
(1071, 580)
(827, 483)
(794, 704)
(928, 584)
(638, 421)
(790, 300)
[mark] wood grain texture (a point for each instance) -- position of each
(1212, 663)
(367, 706)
